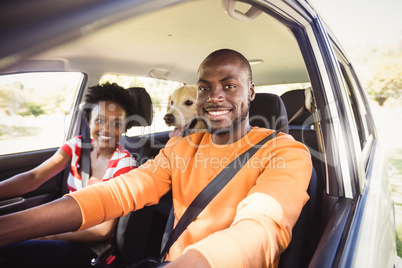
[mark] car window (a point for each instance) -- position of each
(281, 88)
(159, 91)
(356, 103)
(355, 122)
(362, 119)
(160, 97)
(35, 109)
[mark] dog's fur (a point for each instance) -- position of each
(182, 109)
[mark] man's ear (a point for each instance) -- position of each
(252, 92)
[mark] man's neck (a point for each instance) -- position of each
(231, 137)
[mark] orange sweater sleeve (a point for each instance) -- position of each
(131, 191)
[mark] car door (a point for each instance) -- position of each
(359, 212)
(37, 114)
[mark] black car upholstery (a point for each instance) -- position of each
(306, 232)
(268, 111)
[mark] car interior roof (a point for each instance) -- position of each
(171, 43)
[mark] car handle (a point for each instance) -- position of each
(229, 7)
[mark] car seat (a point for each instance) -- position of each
(303, 129)
(141, 147)
(306, 232)
(269, 110)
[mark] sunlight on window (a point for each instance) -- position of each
(34, 109)
(159, 90)
(281, 88)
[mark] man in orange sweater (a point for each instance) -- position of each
(248, 224)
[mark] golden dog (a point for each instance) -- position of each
(182, 110)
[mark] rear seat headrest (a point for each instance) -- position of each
(268, 111)
(144, 106)
(293, 100)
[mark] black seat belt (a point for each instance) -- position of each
(215, 186)
(85, 159)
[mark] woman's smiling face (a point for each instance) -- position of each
(107, 123)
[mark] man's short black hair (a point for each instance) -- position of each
(225, 51)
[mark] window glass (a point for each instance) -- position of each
(362, 108)
(357, 112)
(35, 109)
(159, 91)
(281, 88)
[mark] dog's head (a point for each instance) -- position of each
(181, 108)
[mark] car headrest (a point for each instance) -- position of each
(268, 111)
(144, 106)
(293, 100)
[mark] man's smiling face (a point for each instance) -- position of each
(224, 94)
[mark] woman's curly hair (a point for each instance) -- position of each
(110, 92)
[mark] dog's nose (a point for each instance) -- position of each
(169, 118)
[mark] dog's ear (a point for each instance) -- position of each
(168, 104)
